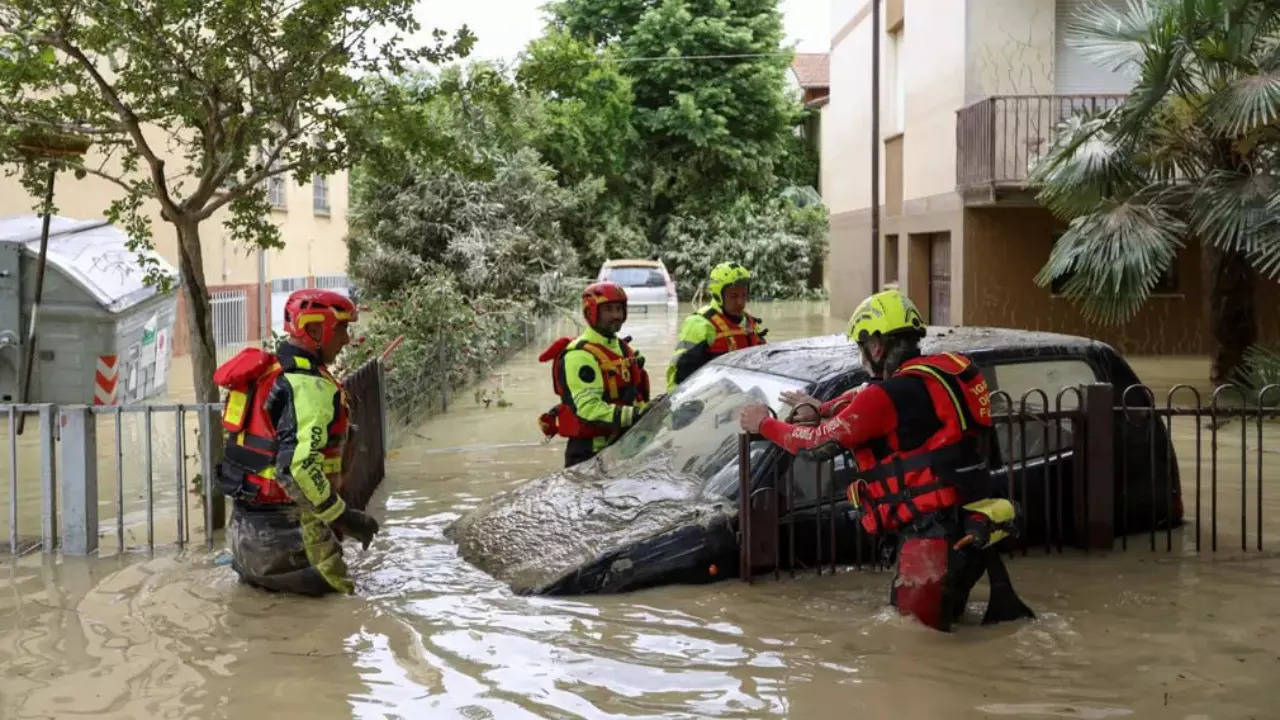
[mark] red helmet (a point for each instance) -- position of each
(596, 295)
(306, 307)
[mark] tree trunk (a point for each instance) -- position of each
(204, 356)
(1233, 320)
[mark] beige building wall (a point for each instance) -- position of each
(315, 242)
(846, 157)
(1009, 48)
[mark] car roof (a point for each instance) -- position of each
(636, 263)
(820, 358)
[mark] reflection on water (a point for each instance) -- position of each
(174, 635)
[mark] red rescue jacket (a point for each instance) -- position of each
(902, 480)
(251, 435)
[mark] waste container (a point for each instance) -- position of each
(104, 337)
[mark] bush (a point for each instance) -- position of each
(449, 340)
(779, 241)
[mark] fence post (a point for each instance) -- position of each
(1095, 496)
(48, 481)
(79, 480)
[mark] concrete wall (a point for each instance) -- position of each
(1009, 48)
(846, 156)
(934, 71)
(1004, 294)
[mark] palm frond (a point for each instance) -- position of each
(1235, 211)
(1112, 37)
(1248, 103)
(1112, 259)
(1085, 165)
(1261, 367)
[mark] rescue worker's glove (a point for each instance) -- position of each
(357, 524)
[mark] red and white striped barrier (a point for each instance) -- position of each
(105, 380)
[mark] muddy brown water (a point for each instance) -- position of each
(173, 635)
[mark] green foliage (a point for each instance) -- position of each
(450, 339)
(1261, 369)
(1192, 154)
(193, 105)
(779, 241)
(711, 128)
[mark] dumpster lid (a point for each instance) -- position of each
(91, 253)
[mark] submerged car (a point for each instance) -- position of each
(660, 505)
(647, 282)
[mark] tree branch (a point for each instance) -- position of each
(111, 178)
(128, 119)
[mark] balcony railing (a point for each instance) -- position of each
(999, 139)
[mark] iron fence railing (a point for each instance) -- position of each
(999, 139)
(1090, 470)
(154, 452)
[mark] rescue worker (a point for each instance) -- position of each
(287, 421)
(600, 379)
(718, 328)
(919, 437)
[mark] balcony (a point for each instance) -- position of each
(999, 138)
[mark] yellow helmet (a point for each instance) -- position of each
(724, 275)
(885, 313)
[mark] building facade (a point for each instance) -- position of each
(970, 94)
(247, 287)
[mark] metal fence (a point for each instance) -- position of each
(999, 138)
(155, 454)
(1090, 468)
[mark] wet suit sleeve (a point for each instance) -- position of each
(586, 391)
(834, 405)
(869, 415)
(692, 349)
(302, 407)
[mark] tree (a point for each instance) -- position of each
(452, 186)
(194, 105)
(711, 108)
(1192, 155)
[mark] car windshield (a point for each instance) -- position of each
(695, 429)
(635, 276)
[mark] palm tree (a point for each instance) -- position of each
(1191, 156)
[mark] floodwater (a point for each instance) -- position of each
(173, 635)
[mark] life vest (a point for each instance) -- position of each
(730, 335)
(898, 486)
(251, 445)
(625, 380)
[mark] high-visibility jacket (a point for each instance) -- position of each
(286, 420)
(708, 334)
(601, 383)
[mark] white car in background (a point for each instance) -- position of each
(647, 282)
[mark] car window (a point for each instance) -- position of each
(1017, 378)
(634, 276)
(695, 429)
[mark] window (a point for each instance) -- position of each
(632, 276)
(1167, 284)
(891, 258)
(1015, 379)
(276, 191)
(320, 194)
